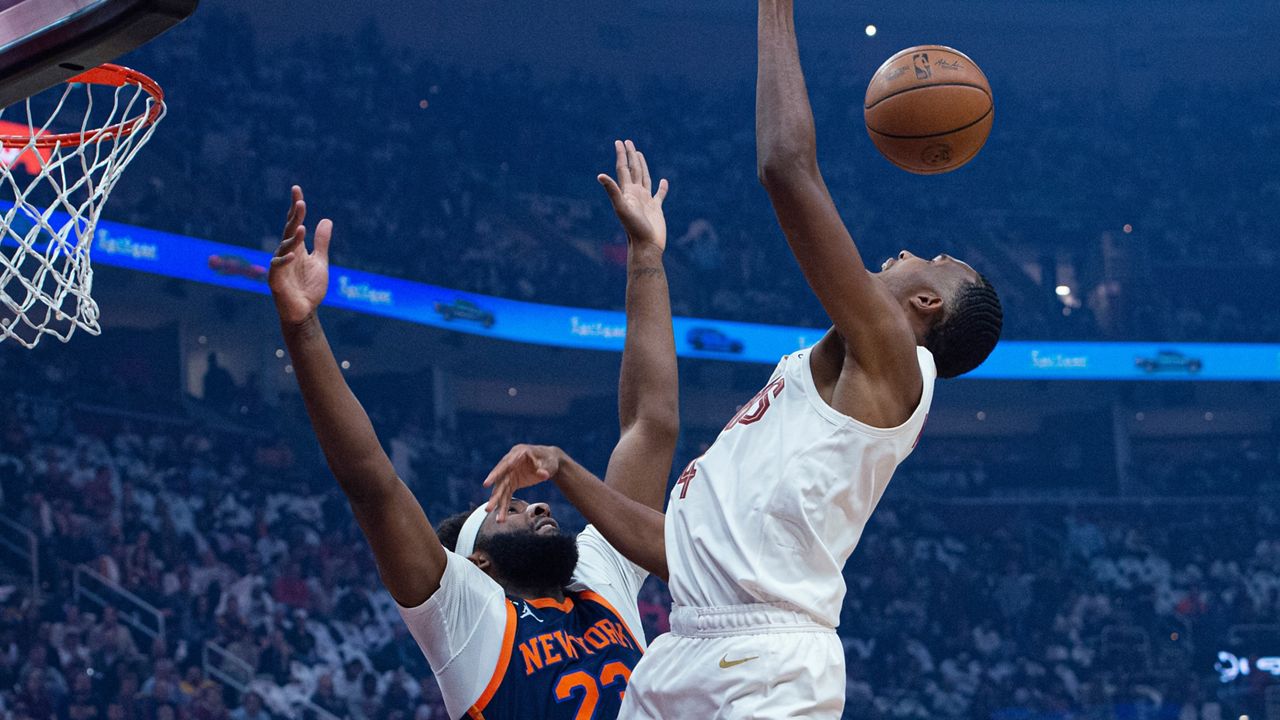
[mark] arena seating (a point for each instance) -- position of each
(194, 565)
(240, 545)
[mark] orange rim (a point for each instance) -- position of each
(110, 75)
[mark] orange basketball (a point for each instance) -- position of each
(929, 109)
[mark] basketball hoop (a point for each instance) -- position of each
(52, 190)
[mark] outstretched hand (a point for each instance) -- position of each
(299, 279)
(634, 200)
(524, 466)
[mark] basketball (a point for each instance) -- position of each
(929, 109)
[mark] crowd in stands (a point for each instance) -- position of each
(998, 467)
(959, 611)
(958, 606)
(483, 180)
(272, 605)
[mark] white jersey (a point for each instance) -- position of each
(771, 512)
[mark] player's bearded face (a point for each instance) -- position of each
(532, 560)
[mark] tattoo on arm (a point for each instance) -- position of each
(643, 272)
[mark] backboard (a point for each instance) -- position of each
(45, 42)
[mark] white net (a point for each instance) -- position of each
(58, 164)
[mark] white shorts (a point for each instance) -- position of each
(738, 663)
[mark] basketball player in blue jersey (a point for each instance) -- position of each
(517, 619)
(759, 527)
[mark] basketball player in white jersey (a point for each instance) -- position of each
(758, 528)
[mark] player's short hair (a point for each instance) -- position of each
(449, 528)
(968, 331)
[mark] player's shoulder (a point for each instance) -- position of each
(461, 582)
(601, 565)
(875, 398)
(596, 555)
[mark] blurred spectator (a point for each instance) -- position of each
(112, 639)
(219, 386)
(325, 698)
(252, 708)
(82, 705)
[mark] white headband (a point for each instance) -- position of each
(470, 531)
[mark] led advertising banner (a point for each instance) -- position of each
(1232, 667)
(229, 266)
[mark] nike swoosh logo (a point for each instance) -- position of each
(726, 663)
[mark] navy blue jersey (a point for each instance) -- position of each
(566, 660)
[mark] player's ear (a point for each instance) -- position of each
(927, 304)
(482, 561)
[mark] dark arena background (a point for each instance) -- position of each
(1090, 527)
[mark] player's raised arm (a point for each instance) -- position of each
(648, 385)
(634, 529)
(410, 557)
(877, 337)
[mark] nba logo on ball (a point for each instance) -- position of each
(927, 124)
(921, 63)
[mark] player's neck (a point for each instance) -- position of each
(533, 593)
(920, 324)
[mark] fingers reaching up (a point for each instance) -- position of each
(633, 197)
(293, 243)
(633, 164)
(622, 164)
(299, 279)
(324, 231)
(297, 212)
(645, 181)
(294, 231)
